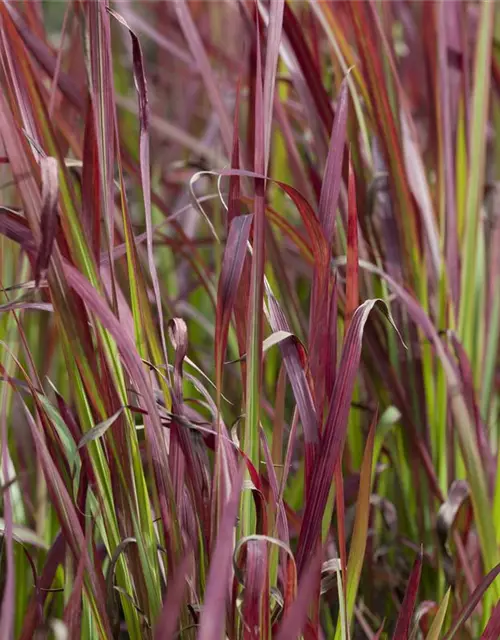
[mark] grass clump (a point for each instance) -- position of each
(249, 323)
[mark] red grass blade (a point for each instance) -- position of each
(91, 186)
(256, 598)
(54, 558)
(402, 630)
(310, 71)
(73, 610)
(327, 213)
(333, 437)
(45, 57)
(330, 189)
(281, 520)
(472, 602)
(452, 258)
(231, 271)
(8, 609)
(166, 626)
(103, 102)
(492, 631)
(15, 227)
(352, 284)
(255, 308)
(233, 201)
(142, 96)
(293, 359)
(195, 43)
(272, 55)
(296, 618)
(213, 613)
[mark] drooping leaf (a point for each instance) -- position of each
(48, 221)
(100, 429)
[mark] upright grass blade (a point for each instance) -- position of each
(231, 272)
(213, 613)
(7, 609)
(334, 435)
(439, 618)
(402, 629)
(128, 478)
(360, 530)
(255, 310)
(327, 212)
(477, 159)
(295, 620)
(270, 68)
(472, 602)
(198, 51)
(142, 95)
(352, 284)
(167, 622)
(492, 630)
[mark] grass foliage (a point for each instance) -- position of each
(249, 320)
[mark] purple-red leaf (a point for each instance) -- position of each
(166, 626)
(402, 630)
(472, 602)
(8, 600)
(330, 189)
(295, 619)
(218, 581)
(199, 53)
(73, 610)
(327, 213)
(232, 268)
(272, 54)
(334, 435)
(256, 594)
(142, 96)
(492, 631)
(293, 361)
(352, 284)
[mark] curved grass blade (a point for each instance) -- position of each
(100, 429)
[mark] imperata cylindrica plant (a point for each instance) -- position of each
(249, 320)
